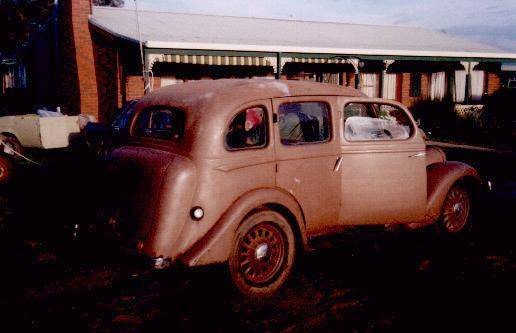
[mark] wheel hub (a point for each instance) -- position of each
(457, 207)
(261, 251)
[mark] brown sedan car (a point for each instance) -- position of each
(247, 172)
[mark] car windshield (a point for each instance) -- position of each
(124, 117)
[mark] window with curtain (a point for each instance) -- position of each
(460, 86)
(15, 76)
(331, 78)
(389, 86)
(477, 85)
(369, 84)
(415, 84)
(437, 86)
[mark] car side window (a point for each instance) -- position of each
(304, 122)
(375, 121)
(160, 123)
(248, 129)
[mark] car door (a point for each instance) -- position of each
(306, 150)
(383, 164)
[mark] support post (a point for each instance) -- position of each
(148, 76)
(468, 66)
(357, 78)
(145, 73)
(354, 62)
(278, 66)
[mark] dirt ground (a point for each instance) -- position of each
(372, 281)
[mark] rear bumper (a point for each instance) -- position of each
(160, 263)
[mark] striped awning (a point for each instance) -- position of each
(322, 60)
(216, 60)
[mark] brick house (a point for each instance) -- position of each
(100, 65)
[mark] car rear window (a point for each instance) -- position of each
(304, 122)
(160, 123)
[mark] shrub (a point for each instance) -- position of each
(442, 120)
(435, 116)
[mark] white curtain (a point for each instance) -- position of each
(331, 78)
(460, 86)
(369, 84)
(437, 86)
(389, 86)
(477, 85)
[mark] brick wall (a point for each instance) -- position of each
(133, 87)
(105, 58)
(493, 83)
(351, 82)
(69, 96)
(91, 71)
(79, 91)
(405, 89)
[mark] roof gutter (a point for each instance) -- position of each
(326, 50)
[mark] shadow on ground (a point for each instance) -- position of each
(374, 282)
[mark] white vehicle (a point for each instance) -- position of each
(33, 131)
(45, 130)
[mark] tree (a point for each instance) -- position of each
(21, 18)
(109, 3)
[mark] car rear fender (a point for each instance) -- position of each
(216, 245)
(440, 178)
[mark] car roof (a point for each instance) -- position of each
(190, 94)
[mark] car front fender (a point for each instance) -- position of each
(216, 245)
(440, 178)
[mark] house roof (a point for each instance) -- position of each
(210, 32)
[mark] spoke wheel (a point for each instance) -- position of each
(263, 254)
(5, 169)
(456, 210)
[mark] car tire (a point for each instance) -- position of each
(6, 169)
(263, 254)
(456, 211)
(13, 143)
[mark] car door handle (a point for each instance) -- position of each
(338, 162)
(418, 155)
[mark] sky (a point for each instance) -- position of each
(492, 22)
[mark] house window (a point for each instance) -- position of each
(369, 84)
(15, 76)
(415, 84)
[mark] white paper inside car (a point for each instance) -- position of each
(366, 128)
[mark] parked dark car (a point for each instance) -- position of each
(102, 138)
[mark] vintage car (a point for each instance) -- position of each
(248, 172)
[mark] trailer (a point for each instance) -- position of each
(42, 131)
